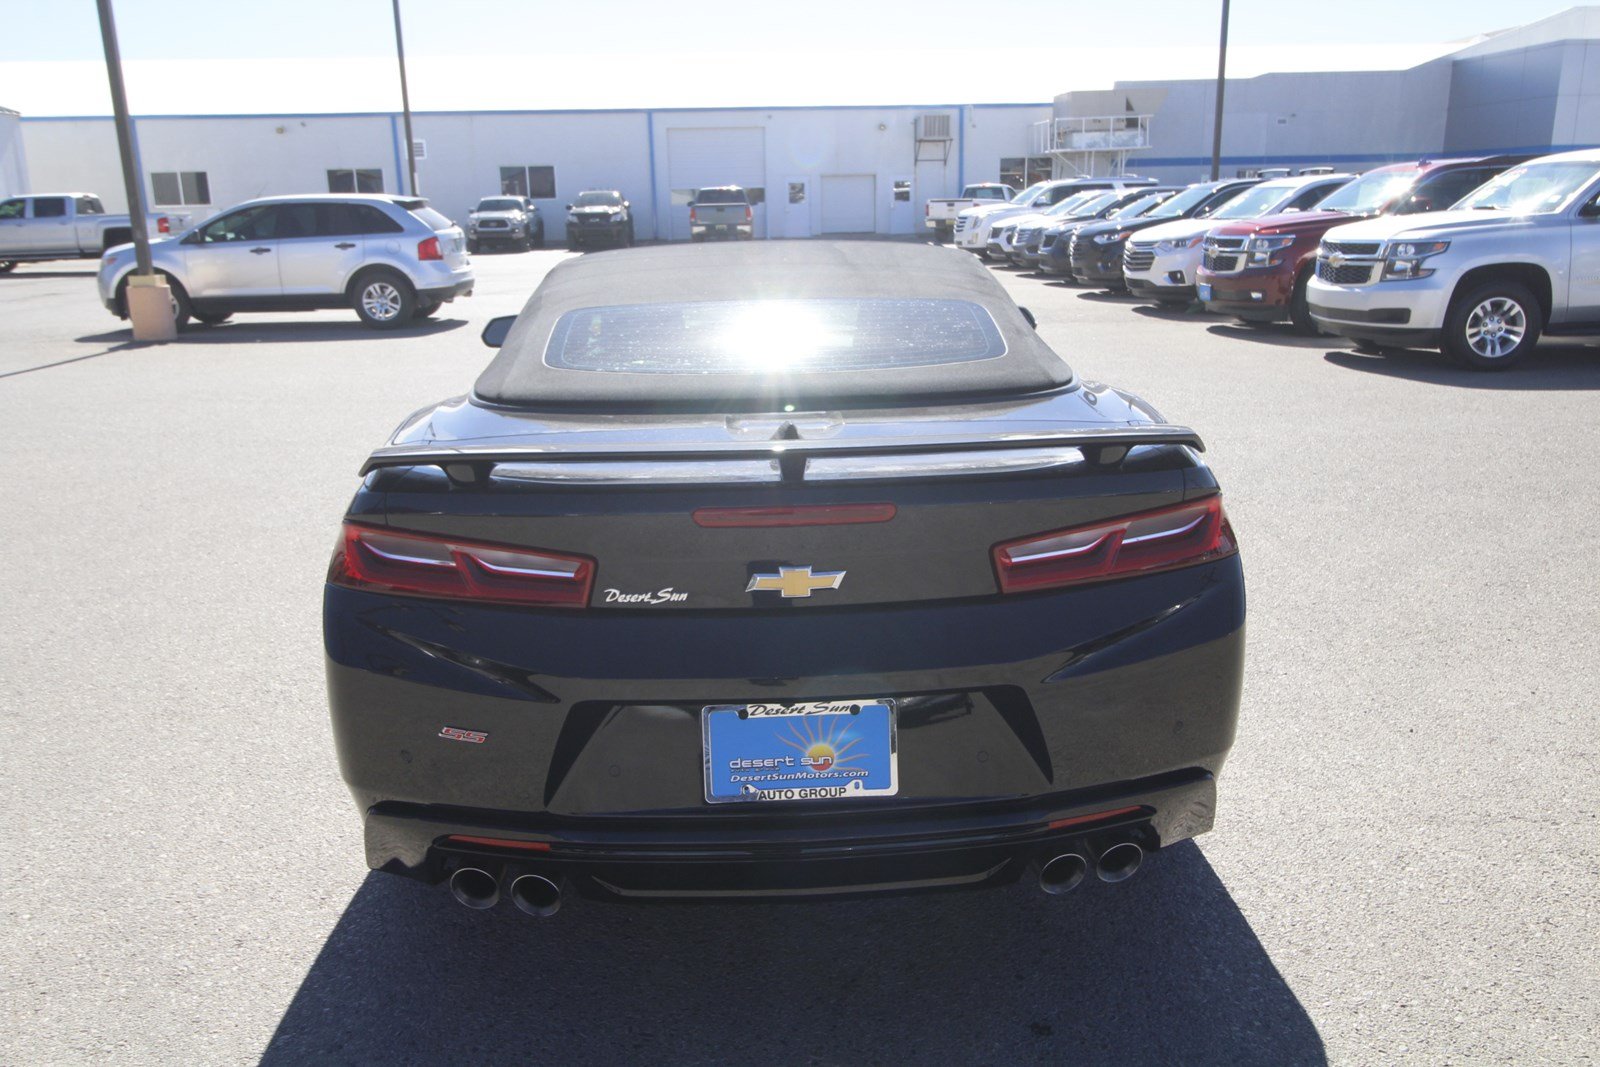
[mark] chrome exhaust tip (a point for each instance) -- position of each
(1119, 862)
(475, 888)
(1061, 874)
(536, 895)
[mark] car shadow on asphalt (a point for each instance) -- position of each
(1109, 296)
(1163, 968)
(1190, 312)
(1280, 334)
(248, 330)
(1551, 366)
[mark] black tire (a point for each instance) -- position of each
(383, 299)
(1300, 308)
(427, 309)
(628, 240)
(212, 318)
(1492, 326)
(538, 236)
(7, 266)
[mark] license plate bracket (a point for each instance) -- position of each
(822, 750)
(1203, 291)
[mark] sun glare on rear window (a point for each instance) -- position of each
(773, 336)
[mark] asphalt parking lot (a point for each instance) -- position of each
(1406, 855)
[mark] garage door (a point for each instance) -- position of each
(848, 203)
(699, 158)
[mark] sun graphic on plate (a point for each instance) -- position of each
(824, 745)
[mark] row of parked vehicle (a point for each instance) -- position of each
(596, 217)
(1476, 256)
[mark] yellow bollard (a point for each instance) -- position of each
(150, 308)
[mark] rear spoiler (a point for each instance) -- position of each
(469, 464)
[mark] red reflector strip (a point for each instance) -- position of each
(499, 842)
(1079, 820)
(807, 515)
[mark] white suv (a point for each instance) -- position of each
(390, 258)
(1517, 257)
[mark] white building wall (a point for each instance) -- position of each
(13, 160)
(251, 156)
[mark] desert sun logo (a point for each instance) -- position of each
(823, 749)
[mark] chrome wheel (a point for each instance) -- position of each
(381, 301)
(1496, 327)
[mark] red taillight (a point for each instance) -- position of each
(692, 216)
(749, 213)
(927, 209)
(1158, 540)
(163, 225)
(394, 561)
(429, 249)
(807, 515)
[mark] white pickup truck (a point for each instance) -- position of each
(940, 215)
(44, 226)
(1517, 257)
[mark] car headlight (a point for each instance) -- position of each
(1112, 238)
(1403, 261)
(1168, 247)
(1262, 248)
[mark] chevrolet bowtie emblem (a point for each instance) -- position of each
(794, 581)
(1336, 260)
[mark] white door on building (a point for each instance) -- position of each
(900, 214)
(797, 207)
(698, 158)
(848, 203)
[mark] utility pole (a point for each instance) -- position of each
(1222, 84)
(149, 299)
(405, 101)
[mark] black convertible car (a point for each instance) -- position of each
(792, 568)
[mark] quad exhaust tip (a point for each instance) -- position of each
(1063, 873)
(475, 888)
(536, 895)
(1119, 862)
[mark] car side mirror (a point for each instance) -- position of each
(569, 207)
(494, 334)
(1029, 316)
(1591, 210)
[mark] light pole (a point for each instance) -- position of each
(148, 298)
(1222, 84)
(405, 101)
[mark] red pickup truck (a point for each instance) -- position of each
(1256, 270)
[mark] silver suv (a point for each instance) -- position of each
(390, 258)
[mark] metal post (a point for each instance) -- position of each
(132, 181)
(1222, 84)
(405, 101)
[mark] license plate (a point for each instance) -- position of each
(830, 750)
(1203, 291)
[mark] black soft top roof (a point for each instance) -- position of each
(520, 375)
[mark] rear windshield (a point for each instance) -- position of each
(773, 336)
(986, 192)
(721, 196)
(431, 218)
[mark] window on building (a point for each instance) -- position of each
(90, 205)
(536, 183)
(797, 192)
(902, 192)
(1019, 172)
(355, 181)
(683, 197)
(757, 195)
(49, 207)
(180, 187)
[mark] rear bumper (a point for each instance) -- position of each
(461, 287)
(1014, 712)
(786, 858)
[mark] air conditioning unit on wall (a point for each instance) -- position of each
(933, 127)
